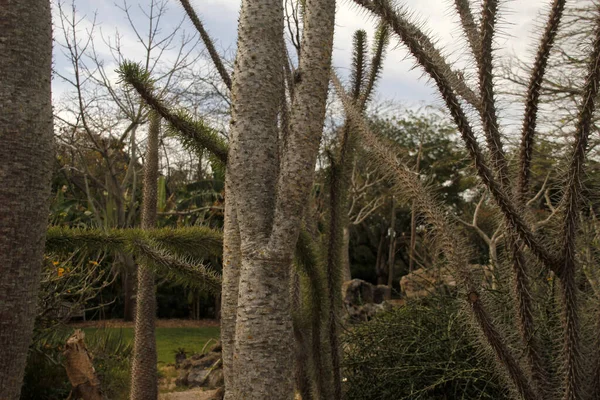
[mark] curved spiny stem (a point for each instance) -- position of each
(216, 59)
(469, 27)
(501, 351)
(195, 131)
(488, 104)
(533, 97)
(395, 19)
(571, 201)
(382, 38)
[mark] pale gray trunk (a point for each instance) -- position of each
(144, 378)
(232, 261)
(267, 192)
(26, 139)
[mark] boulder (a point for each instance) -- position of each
(363, 300)
(201, 370)
(422, 282)
(357, 292)
(381, 293)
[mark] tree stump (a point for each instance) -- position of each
(80, 370)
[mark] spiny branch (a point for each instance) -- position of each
(382, 38)
(571, 201)
(533, 96)
(488, 104)
(216, 59)
(469, 27)
(195, 131)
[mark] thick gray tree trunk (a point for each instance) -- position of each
(267, 187)
(144, 378)
(26, 141)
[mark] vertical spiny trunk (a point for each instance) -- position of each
(26, 135)
(262, 364)
(144, 378)
(269, 197)
(524, 310)
(333, 274)
(232, 260)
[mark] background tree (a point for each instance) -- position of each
(98, 120)
(26, 151)
(143, 372)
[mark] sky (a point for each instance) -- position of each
(400, 81)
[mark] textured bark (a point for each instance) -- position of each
(263, 363)
(269, 191)
(144, 378)
(26, 153)
(232, 260)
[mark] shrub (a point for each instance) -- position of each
(419, 351)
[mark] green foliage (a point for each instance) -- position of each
(195, 134)
(443, 158)
(172, 252)
(419, 351)
(111, 355)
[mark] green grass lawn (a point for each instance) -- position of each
(169, 340)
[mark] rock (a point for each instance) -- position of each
(202, 370)
(381, 293)
(215, 379)
(219, 394)
(422, 282)
(357, 292)
(362, 300)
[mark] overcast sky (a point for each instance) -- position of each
(400, 81)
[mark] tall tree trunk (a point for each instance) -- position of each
(268, 190)
(26, 136)
(232, 260)
(144, 378)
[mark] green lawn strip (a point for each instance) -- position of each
(169, 340)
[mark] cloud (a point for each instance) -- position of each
(400, 80)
